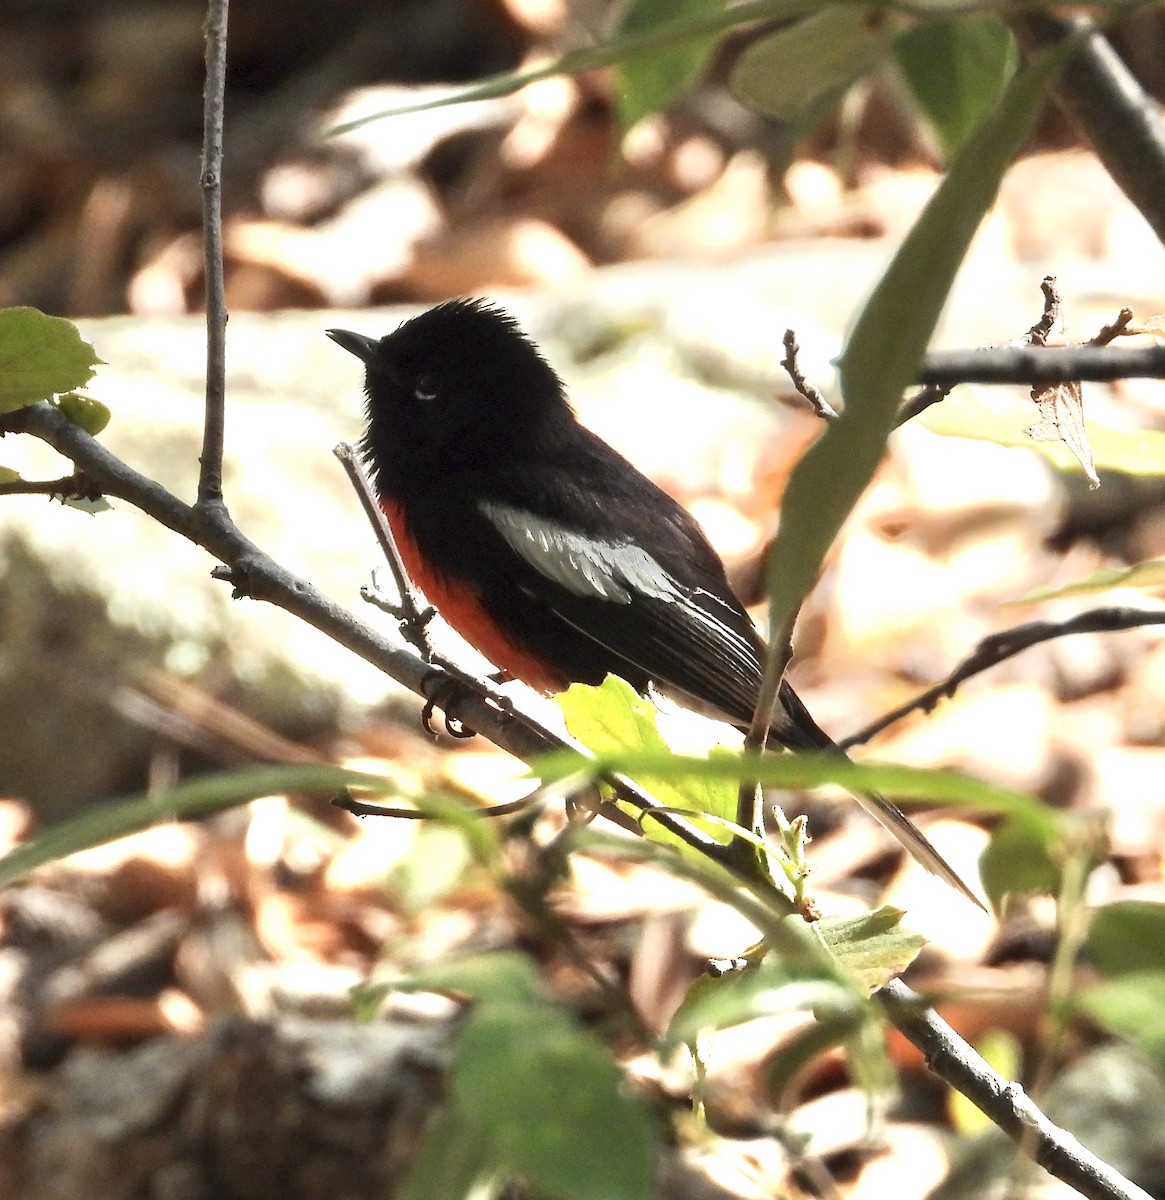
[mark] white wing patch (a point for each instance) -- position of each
(585, 566)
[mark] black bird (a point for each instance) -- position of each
(547, 550)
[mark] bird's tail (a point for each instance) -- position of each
(796, 729)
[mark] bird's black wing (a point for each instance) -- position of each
(623, 566)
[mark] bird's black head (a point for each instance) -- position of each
(451, 384)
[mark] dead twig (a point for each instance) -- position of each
(996, 648)
(810, 391)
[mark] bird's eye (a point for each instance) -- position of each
(425, 388)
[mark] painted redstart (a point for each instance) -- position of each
(547, 550)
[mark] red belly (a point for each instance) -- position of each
(459, 604)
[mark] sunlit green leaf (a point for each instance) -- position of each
(499, 977)
(40, 356)
(84, 411)
(1131, 1006)
(873, 948)
(434, 866)
(1002, 419)
(1146, 574)
(1018, 859)
(777, 985)
(957, 70)
(695, 27)
(645, 83)
(614, 719)
(789, 71)
(804, 770)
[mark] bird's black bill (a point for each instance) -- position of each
(355, 343)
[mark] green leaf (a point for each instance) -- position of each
(873, 948)
(1146, 574)
(1127, 937)
(804, 770)
(777, 985)
(1131, 1006)
(957, 70)
(1001, 418)
(8, 475)
(1019, 860)
(40, 356)
(614, 719)
(189, 801)
(883, 351)
(695, 26)
(795, 68)
(554, 1106)
(84, 411)
(646, 83)
(455, 1160)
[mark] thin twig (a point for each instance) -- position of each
(1118, 328)
(953, 1059)
(364, 808)
(998, 647)
(811, 392)
(934, 393)
(68, 487)
(214, 422)
(414, 617)
(928, 394)
(1039, 333)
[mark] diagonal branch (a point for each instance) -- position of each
(998, 647)
(254, 574)
(1007, 1104)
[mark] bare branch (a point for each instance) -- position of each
(214, 421)
(254, 574)
(68, 487)
(998, 647)
(1039, 365)
(953, 1059)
